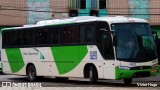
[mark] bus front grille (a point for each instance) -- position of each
(142, 74)
(140, 68)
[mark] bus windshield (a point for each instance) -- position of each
(134, 42)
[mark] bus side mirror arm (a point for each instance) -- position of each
(114, 41)
(114, 37)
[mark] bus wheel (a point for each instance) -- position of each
(127, 81)
(31, 73)
(93, 75)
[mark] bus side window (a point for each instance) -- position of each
(14, 38)
(20, 38)
(25, 37)
(41, 36)
(6, 39)
(38, 35)
(28, 37)
(104, 40)
(70, 34)
(86, 33)
(54, 35)
(44, 38)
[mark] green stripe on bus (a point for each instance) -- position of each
(68, 57)
(15, 59)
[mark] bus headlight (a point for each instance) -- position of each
(124, 67)
(155, 65)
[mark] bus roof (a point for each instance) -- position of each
(110, 20)
(117, 19)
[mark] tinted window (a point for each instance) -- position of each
(19, 38)
(87, 33)
(82, 4)
(54, 35)
(41, 36)
(13, 38)
(28, 37)
(6, 38)
(70, 34)
(102, 4)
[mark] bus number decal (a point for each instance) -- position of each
(93, 55)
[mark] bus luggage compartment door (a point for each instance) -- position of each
(109, 69)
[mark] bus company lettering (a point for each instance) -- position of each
(29, 53)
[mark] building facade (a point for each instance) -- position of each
(21, 12)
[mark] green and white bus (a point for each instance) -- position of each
(85, 47)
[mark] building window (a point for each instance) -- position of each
(82, 4)
(93, 4)
(73, 13)
(102, 4)
(74, 4)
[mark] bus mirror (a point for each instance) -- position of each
(155, 36)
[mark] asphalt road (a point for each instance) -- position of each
(138, 83)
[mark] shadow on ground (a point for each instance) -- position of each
(52, 82)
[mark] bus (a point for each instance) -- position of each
(90, 47)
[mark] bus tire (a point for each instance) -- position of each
(128, 81)
(93, 76)
(31, 73)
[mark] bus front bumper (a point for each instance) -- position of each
(126, 74)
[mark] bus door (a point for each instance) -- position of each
(105, 46)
